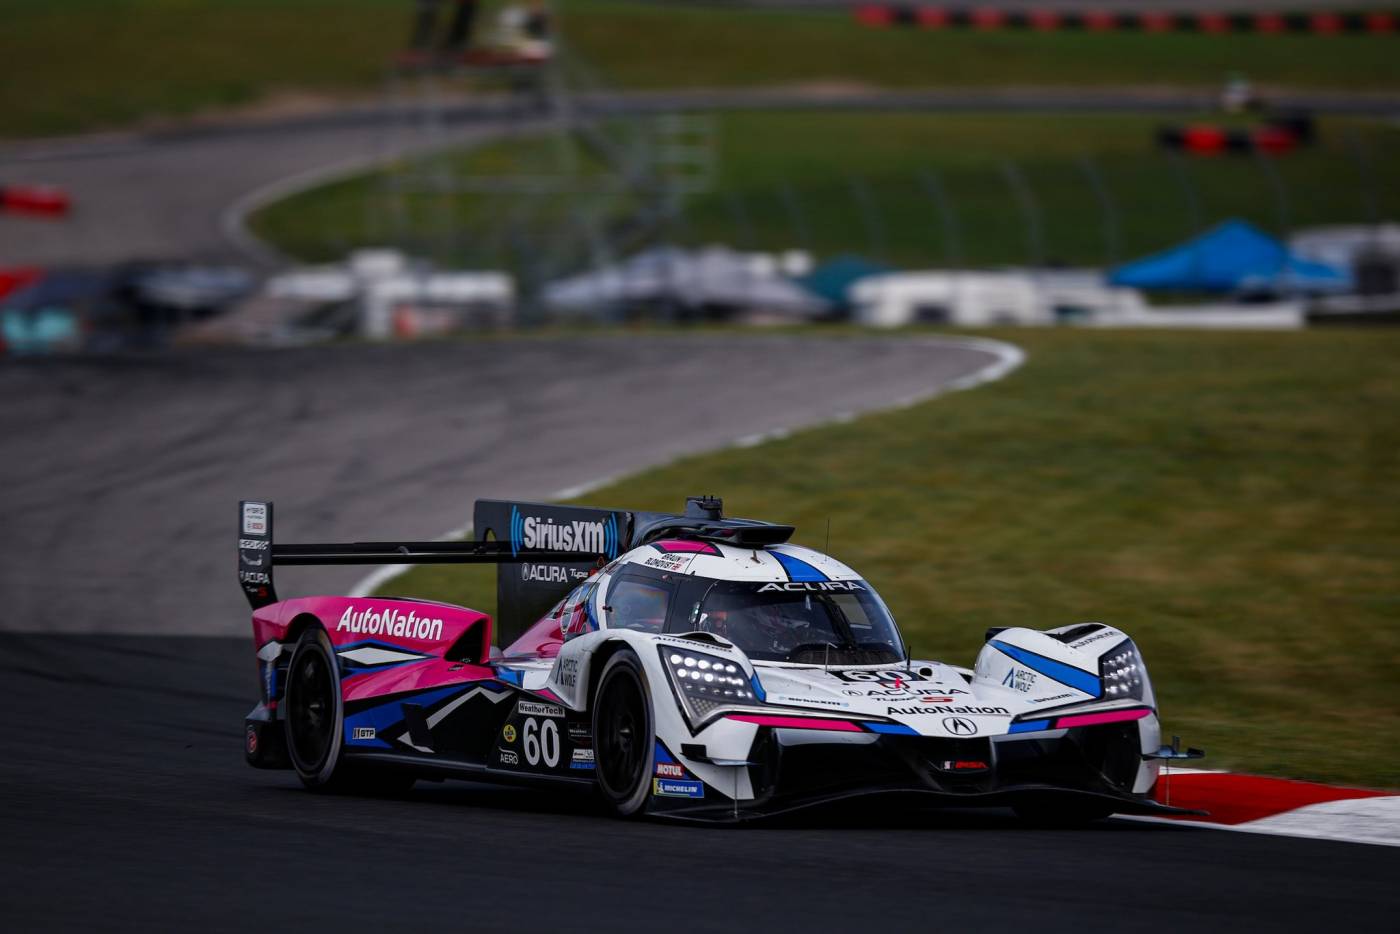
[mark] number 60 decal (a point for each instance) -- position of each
(541, 742)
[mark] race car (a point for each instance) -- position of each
(687, 665)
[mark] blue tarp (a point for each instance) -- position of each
(832, 279)
(1233, 256)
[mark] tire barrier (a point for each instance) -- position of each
(1208, 23)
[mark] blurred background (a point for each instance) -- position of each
(378, 257)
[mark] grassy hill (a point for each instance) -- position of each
(76, 65)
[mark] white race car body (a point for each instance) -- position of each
(709, 670)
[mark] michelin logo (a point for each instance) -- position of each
(544, 534)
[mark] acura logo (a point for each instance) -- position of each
(958, 726)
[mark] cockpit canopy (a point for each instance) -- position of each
(814, 623)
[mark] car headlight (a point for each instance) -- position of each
(705, 683)
(1123, 673)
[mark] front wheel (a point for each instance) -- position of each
(624, 738)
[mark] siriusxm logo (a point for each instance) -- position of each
(545, 534)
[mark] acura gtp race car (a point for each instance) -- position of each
(687, 665)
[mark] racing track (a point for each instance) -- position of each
(126, 803)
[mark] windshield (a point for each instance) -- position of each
(831, 622)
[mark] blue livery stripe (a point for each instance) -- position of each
(1029, 726)
(898, 729)
(386, 715)
(1076, 678)
(797, 569)
(758, 691)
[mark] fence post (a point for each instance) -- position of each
(952, 236)
(1111, 244)
(869, 215)
(796, 216)
(1025, 199)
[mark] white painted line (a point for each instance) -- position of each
(1008, 358)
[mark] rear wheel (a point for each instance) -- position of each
(624, 738)
(315, 722)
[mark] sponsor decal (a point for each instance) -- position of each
(905, 691)
(670, 770)
(508, 757)
(530, 708)
(550, 573)
(568, 672)
(254, 519)
(580, 734)
(896, 677)
(252, 544)
(932, 699)
(1018, 679)
(941, 708)
(545, 534)
(365, 732)
(803, 586)
(964, 765)
(254, 577)
(508, 733)
(1087, 640)
(581, 759)
(790, 699)
(1043, 700)
(959, 726)
(389, 622)
(671, 788)
(675, 563)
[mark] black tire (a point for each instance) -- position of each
(1062, 813)
(315, 725)
(624, 735)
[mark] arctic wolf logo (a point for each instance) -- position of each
(533, 532)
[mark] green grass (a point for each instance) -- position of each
(820, 155)
(75, 65)
(696, 47)
(1228, 499)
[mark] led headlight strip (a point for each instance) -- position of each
(706, 683)
(1123, 672)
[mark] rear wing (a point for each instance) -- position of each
(258, 554)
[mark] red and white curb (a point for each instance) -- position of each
(1257, 804)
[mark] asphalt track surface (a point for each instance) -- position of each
(126, 803)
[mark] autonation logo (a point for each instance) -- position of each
(544, 534)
